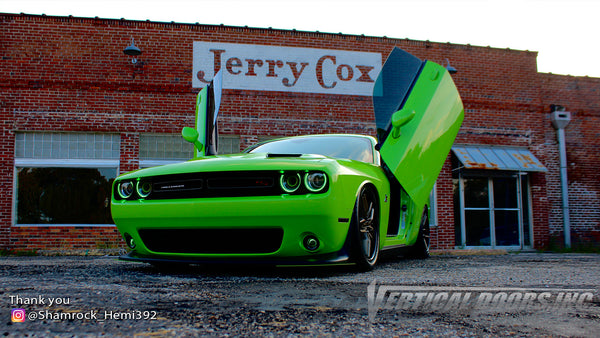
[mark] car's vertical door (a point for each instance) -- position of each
(205, 134)
(418, 113)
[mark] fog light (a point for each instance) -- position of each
(125, 189)
(290, 182)
(315, 182)
(129, 240)
(144, 188)
(311, 242)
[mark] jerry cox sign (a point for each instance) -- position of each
(291, 69)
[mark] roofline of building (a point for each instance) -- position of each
(271, 29)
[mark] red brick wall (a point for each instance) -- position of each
(6, 174)
(580, 96)
(442, 236)
(130, 149)
(70, 74)
(66, 239)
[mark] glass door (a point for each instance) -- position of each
(493, 211)
(505, 206)
(477, 226)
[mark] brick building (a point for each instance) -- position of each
(75, 111)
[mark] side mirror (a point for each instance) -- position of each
(399, 119)
(191, 135)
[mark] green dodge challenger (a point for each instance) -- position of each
(300, 200)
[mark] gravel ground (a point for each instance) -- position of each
(125, 298)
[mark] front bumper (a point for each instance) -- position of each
(333, 258)
(294, 216)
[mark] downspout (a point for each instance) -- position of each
(560, 119)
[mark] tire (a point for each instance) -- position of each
(364, 229)
(421, 247)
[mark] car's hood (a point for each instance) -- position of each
(238, 162)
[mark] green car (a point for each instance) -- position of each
(300, 200)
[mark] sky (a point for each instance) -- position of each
(563, 32)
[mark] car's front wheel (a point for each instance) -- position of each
(365, 229)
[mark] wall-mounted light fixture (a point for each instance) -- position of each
(449, 68)
(132, 51)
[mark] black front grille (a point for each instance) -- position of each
(213, 241)
(166, 185)
(218, 184)
(251, 182)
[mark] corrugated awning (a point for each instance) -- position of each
(497, 158)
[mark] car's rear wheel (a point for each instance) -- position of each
(365, 229)
(421, 247)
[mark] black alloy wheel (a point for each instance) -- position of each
(421, 247)
(365, 225)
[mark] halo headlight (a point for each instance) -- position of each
(315, 181)
(144, 188)
(290, 182)
(125, 189)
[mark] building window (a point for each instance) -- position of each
(160, 149)
(229, 144)
(67, 146)
(64, 178)
(492, 210)
(163, 149)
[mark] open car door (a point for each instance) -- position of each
(418, 113)
(204, 136)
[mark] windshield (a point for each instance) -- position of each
(349, 147)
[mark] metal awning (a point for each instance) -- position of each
(497, 158)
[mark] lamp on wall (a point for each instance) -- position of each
(450, 69)
(133, 51)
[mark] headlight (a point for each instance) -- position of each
(125, 189)
(315, 181)
(144, 188)
(290, 182)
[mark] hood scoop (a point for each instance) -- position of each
(269, 155)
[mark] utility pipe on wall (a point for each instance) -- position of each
(560, 119)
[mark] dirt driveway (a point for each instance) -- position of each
(527, 294)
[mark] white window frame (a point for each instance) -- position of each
(520, 176)
(433, 207)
